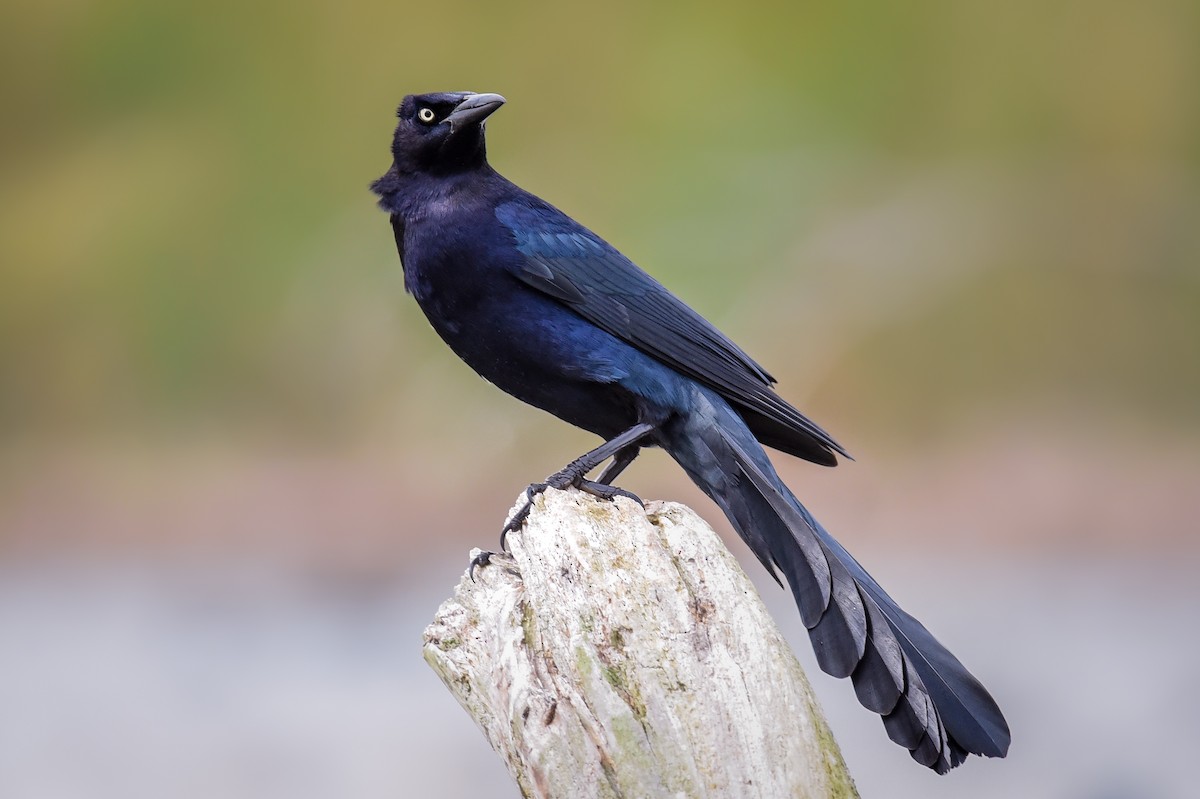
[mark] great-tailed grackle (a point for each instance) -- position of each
(551, 313)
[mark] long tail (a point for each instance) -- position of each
(930, 703)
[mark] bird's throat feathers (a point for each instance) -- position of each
(413, 196)
(389, 188)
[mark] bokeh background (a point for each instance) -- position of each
(238, 473)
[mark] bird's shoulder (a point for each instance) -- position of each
(566, 260)
(576, 261)
(538, 225)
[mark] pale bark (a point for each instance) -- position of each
(624, 653)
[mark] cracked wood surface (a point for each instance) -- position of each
(624, 653)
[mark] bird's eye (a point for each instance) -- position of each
(426, 115)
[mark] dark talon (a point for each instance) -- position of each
(608, 492)
(480, 560)
(502, 559)
(514, 524)
(518, 519)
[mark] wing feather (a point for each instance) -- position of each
(570, 263)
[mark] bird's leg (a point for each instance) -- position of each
(619, 462)
(602, 486)
(622, 448)
(617, 447)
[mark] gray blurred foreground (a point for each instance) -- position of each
(156, 681)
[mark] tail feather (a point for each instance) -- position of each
(840, 637)
(968, 710)
(930, 703)
(908, 723)
(879, 677)
(766, 521)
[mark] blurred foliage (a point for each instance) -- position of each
(186, 237)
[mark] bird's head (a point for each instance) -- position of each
(442, 133)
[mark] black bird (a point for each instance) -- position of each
(551, 313)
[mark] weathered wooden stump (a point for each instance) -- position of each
(624, 653)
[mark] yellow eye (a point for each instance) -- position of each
(426, 115)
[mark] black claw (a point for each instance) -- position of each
(608, 492)
(492, 559)
(514, 524)
(480, 560)
(630, 495)
(518, 519)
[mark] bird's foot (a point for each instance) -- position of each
(518, 519)
(607, 492)
(569, 477)
(622, 448)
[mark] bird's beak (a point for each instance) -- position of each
(473, 109)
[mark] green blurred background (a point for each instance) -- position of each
(965, 236)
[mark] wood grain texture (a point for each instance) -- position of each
(624, 653)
